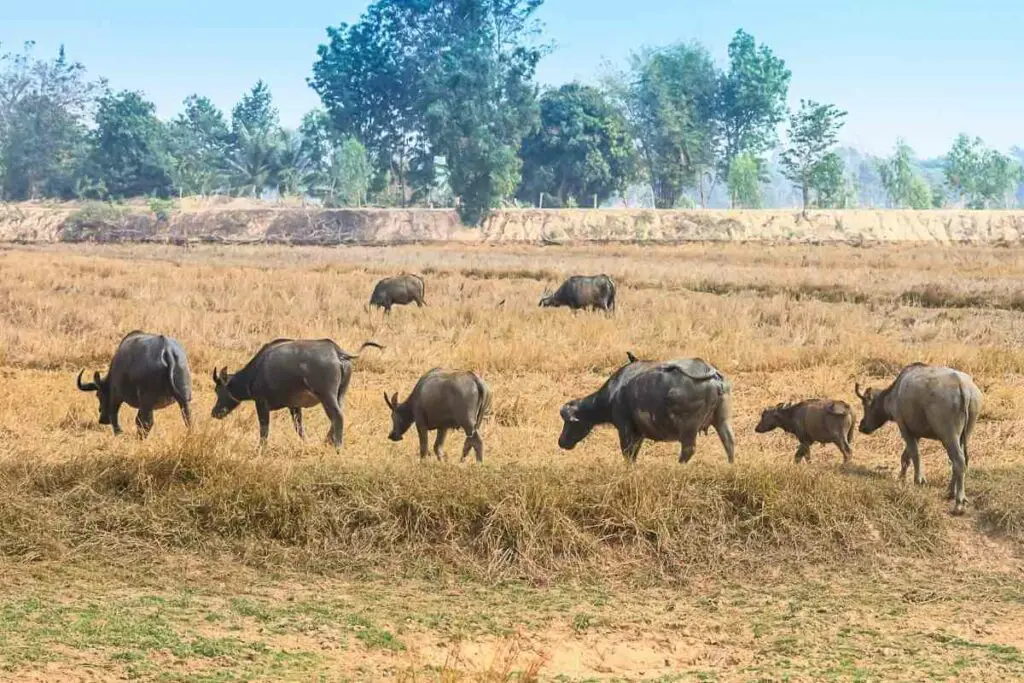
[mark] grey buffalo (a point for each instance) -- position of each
(813, 421)
(292, 374)
(927, 402)
(661, 401)
(401, 290)
(584, 291)
(442, 400)
(148, 372)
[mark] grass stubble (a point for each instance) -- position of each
(194, 555)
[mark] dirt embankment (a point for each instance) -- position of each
(244, 222)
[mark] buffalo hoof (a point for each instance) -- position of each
(960, 508)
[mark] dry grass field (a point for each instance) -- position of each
(194, 556)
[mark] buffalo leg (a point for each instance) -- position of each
(803, 451)
(956, 481)
(333, 410)
(904, 463)
(144, 422)
(297, 422)
(442, 432)
(845, 448)
(422, 432)
(115, 417)
(263, 415)
(724, 432)
(629, 442)
(915, 457)
(186, 413)
(473, 441)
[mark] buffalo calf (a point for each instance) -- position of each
(813, 421)
(399, 290)
(442, 400)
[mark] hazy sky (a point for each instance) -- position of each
(923, 69)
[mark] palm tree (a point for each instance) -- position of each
(252, 161)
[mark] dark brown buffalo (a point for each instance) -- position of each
(813, 421)
(399, 290)
(661, 401)
(927, 402)
(584, 291)
(442, 400)
(292, 374)
(148, 372)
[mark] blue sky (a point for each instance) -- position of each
(923, 69)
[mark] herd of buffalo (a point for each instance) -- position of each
(668, 401)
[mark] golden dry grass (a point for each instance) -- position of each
(782, 323)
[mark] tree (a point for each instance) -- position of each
(346, 178)
(980, 177)
(198, 142)
(128, 148)
(751, 100)
(745, 177)
(581, 149)
(670, 95)
(898, 178)
(451, 78)
(368, 77)
(920, 195)
(809, 158)
(43, 108)
(252, 161)
(255, 112)
(293, 166)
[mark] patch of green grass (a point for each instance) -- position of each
(373, 637)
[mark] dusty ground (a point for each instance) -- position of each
(782, 322)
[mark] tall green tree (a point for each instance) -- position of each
(745, 177)
(978, 176)
(128, 147)
(255, 112)
(833, 190)
(809, 157)
(199, 137)
(252, 160)
(44, 105)
(369, 78)
(671, 95)
(581, 149)
(453, 78)
(905, 188)
(751, 100)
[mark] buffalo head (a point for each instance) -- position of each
(574, 427)
(769, 420)
(226, 402)
(401, 419)
(102, 388)
(547, 299)
(875, 415)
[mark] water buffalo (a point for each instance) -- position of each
(442, 400)
(293, 374)
(927, 402)
(402, 289)
(584, 291)
(814, 421)
(661, 401)
(148, 372)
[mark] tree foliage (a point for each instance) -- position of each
(198, 139)
(978, 176)
(129, 152)
(808, 161)
(581, 149)
(746, 174)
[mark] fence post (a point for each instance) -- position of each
(540, 201)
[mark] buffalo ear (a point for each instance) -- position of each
(394, 400)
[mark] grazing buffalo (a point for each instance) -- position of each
(401, 290)
(442, 400)
(927, 402)
(584, 291)
(661, 401)
(814, 421)
(148, 372)
(293, 374)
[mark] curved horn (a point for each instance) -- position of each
(387, 400)
(856, 390)
(91, 386)
(630, 356)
